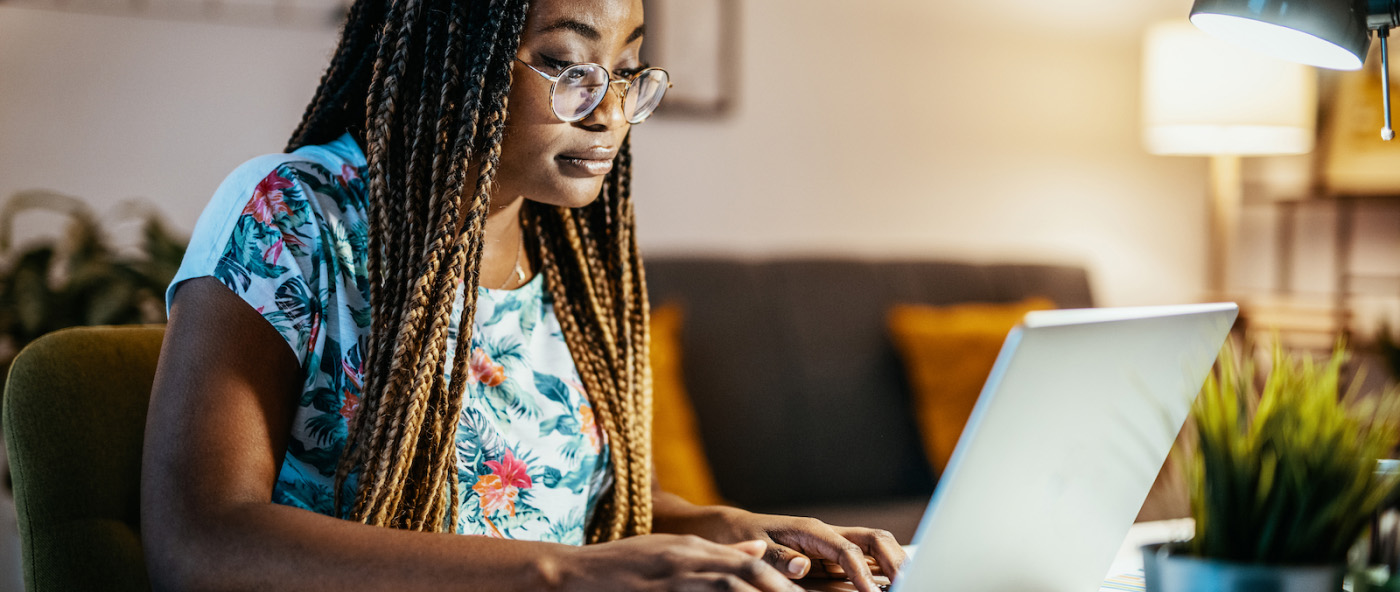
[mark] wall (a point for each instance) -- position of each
(112, 108)
(892, 128)
(888, 129)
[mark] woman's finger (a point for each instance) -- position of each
(746, 564)
(753, 548)
(816, 537)
(784, 559)
(879, 544)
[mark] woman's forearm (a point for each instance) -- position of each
(267, 547)
(672, 514)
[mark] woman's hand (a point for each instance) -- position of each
(800, 546)
(672, 563)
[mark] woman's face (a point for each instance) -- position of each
(547, 160)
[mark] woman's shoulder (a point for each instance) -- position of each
(278, 228)
(307, 186)
(334, 171)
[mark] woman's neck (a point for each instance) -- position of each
(503, 246)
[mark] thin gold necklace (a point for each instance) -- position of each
(517, 272)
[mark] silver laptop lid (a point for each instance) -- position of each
(1071, 428)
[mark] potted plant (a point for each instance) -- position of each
(1283, 479)
(81, 278)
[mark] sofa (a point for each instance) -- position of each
(802, 403)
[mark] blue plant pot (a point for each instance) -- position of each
(1166, 568)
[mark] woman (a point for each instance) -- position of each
(311, 390)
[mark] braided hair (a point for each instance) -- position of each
(422, 85)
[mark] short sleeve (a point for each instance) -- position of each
(257, 236)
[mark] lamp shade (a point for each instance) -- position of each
(1204, 96)
(1324, 33)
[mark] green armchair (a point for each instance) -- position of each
(74, 419)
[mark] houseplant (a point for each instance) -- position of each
(1283, 478)
(80, 278)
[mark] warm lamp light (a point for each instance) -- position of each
(1206, 97)
(1203, 96)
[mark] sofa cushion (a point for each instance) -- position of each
(681, 466)
(798, 390)
(948, 351)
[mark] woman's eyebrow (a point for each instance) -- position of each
(587, 30)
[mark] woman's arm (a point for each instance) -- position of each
(220, 414)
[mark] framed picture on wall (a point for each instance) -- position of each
(1353, 160)
(696, 41)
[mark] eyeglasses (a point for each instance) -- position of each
(579, 89)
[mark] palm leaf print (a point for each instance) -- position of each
(505, 349)
(361, 316)
(475, 430)
(324, 459)
(501, 308)
(564, 423)
(232, 273)
(326, 427)
(509, 395)
(529, 316)
(295, 299)
(553, 389)
(568, 531)
(572, 450)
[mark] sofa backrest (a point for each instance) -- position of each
(798, 390)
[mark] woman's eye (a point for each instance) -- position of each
(555, 64)
(629, 72)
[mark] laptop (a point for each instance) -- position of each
(1066, 439)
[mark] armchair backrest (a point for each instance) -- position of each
(74, 419)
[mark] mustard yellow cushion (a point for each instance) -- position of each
(681, 466)
(948, 351)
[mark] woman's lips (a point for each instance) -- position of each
(595, 161)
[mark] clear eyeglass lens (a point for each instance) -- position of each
(645, 94)
(579, 90)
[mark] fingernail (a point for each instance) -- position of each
(799, 565)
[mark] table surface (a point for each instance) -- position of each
(1125, 575)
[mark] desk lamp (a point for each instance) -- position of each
(1325, 33)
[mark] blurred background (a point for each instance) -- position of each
(983, 132)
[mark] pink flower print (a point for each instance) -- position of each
(348, 173)
(267, 201)
(273, 252)
(356, 375)
(511, 470)
(499, 490)
(590, 428)
(315, 329)
(485, 371)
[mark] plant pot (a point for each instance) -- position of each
(1167, 568)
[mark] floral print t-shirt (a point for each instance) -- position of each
(288, 234)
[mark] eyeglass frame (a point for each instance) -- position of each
(626, 82)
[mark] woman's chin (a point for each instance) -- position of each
(572, 194)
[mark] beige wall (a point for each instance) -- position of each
(971, 130)
(948, 136)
